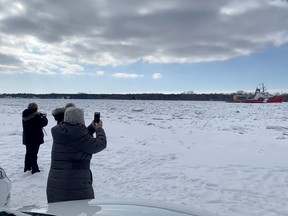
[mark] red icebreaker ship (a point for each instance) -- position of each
(261, 96)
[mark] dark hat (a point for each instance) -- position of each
(58, 111)
(32, 106)
(70, 105)
(74, 116)
(58, 114)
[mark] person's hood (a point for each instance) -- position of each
(29, 114)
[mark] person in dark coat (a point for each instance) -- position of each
(33, 123)
(70, 177)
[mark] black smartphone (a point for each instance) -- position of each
(96, 117)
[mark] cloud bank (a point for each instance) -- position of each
(63, 37)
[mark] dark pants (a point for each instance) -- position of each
(31, 157)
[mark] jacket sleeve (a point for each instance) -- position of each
(44, 121)
(94, 145)
(91, 129)
(41, 120)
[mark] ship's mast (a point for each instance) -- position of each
(263, 87)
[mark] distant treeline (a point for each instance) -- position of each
(144, 96)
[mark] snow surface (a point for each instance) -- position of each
(224, 158)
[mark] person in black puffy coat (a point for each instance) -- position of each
(70, 177)
(33, 136)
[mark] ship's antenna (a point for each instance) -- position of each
(264, 87)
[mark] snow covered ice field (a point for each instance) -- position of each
(224, 158)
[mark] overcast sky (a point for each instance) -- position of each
(125, 46)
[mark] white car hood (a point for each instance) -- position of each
(113, 208)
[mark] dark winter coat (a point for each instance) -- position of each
(33, 123)
(70, 177)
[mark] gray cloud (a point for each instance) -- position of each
(106, 32)
(8, 60)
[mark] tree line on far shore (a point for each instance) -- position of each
(143, 96)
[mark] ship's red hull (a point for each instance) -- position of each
(274, 99)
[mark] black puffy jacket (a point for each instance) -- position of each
(70, 177)
(33, 123)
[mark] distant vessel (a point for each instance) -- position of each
(261, 96)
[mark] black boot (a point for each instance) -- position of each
(35, 171)
(27, 169)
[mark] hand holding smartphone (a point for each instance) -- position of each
(96, 117)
